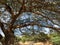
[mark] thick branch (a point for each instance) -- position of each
(17, 15)
(35, 23)
(9, 9)
(2, 27)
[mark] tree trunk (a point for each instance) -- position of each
(9, 38)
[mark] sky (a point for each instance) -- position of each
(25, 17)
(1, 32)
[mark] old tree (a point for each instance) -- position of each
(39, 12)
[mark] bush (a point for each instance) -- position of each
(55, 38)
(37, 37)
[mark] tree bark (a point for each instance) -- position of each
(9, 38)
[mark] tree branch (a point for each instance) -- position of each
(35, 23)
(17, 15)
(43, 15)
(9, 9)
(2, 27)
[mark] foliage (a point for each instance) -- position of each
(36, 38)
(55, 38)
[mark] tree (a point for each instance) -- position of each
(46, 11)
(0, 36)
